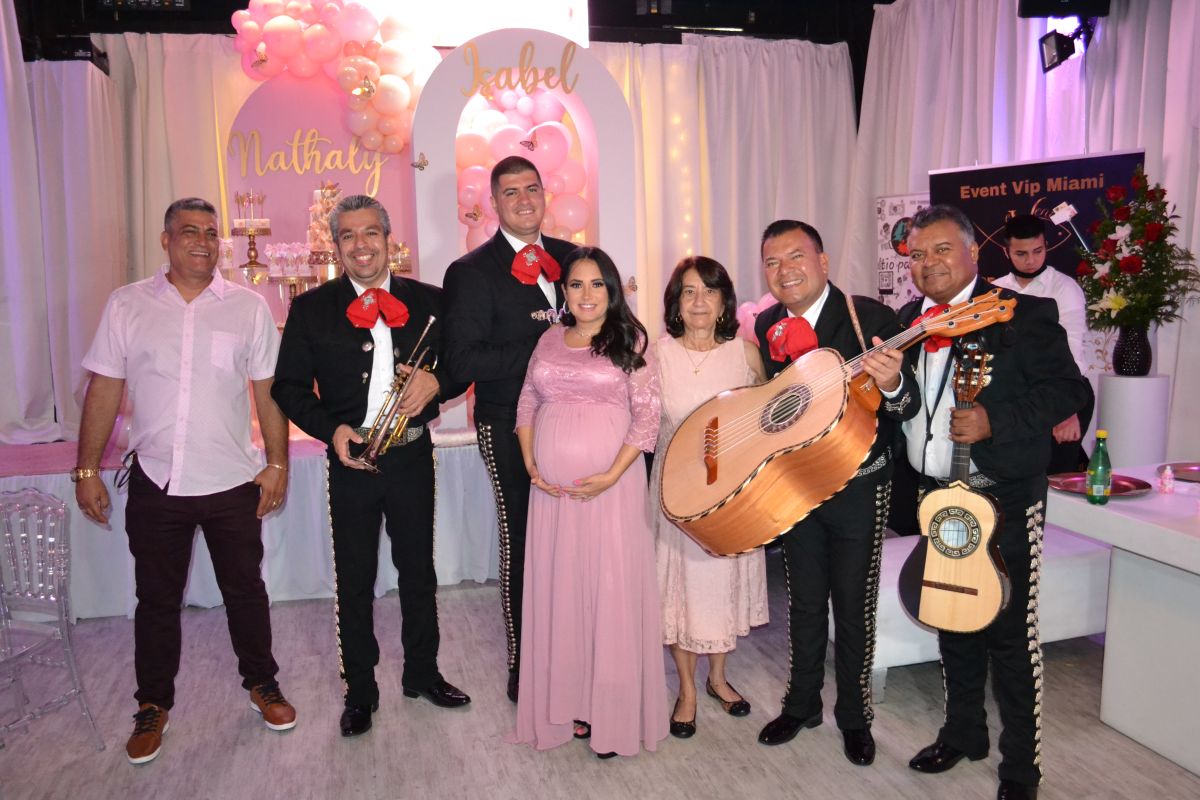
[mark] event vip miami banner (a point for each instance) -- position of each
(991, 195)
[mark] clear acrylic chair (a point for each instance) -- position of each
(35, 611)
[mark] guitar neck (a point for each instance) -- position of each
(960, 460)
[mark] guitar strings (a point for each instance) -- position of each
(746, 427)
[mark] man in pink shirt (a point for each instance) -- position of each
(186, 344)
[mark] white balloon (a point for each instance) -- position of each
(397, 57)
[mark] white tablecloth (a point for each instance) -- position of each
(298, 558)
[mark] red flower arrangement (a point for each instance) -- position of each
(1136, 274)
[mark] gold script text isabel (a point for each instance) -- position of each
(485, 79)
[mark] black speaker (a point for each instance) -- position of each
(1063, 8)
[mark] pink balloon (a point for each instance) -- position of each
(357, 102)
(506, 141)
(302, 66)
(525, 106)
(371, 49)
(393, 27)
(352, 49)
(490, 225)
(561, 232)
(371, 140)
(547, 108)
(294, 9)
(388, 125)
(553, 144)
(515, 117)
(331, 67)
(396, 58)
(573, 175)
(467, 216)
(348, 78)
(489, 210)
(249, 37)
(554, 183)
(489, 121)
(309, 15)
(392, 95)
(257, 12)
(357, 23)
(283, 37)
(571, 211)
(321, 44)
(474, 176)
(508, 100)
(404, 122)
(470, 149)
(240, 18)
(476, 237)
(548, 222)
(469, 195)
(273, 8)
(393, 144)
(365, 66)
(359, 122)
(330, 13)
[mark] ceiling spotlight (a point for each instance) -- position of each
(1057, 47)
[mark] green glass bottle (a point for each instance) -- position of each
(1099, 472)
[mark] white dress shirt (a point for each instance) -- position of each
(1072, 314)
(543, 282)
(383, 360)
(936, 454)
(186, 367)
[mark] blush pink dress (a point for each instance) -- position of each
(707, 602)
(591, 638)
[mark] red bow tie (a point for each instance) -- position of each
(367, 307)
(531, 261)
(933, 343)
(791, 338)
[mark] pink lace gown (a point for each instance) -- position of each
(707, 602)
(591, 638)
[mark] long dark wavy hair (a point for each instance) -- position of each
(622, 338)
(712, 275)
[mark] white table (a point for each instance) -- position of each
(1152, 643)
(298, 556)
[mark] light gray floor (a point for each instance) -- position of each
(218, 748)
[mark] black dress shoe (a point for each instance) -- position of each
(735, 708)
(1011, 790)
(606, 756)
(440, 694)
(356, 720)
(859, 746)
(784, 728)
(582, 730)
(681, 729)
(514, 680)
(939, 757)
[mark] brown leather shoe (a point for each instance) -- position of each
(149, 725)
(276, 712)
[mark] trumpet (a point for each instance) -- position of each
(389, 425)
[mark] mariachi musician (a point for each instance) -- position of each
(834, 553)
(1034, 385)
(353, 336)
(500, 299)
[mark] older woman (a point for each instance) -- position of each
(707, 602)
(591, 658)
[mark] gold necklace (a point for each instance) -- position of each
(696, 365)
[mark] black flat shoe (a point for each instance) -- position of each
(582, 730)
(784, 728)
(736, 708)
(939, 757)
(605, 756)
(859, 746)
(1011, 790)
(514, 680)
(356, 720)
(440, 694)
(681, 729)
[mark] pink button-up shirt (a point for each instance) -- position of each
(186, 368)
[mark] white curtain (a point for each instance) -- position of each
(179, 95)
(76, 118)
(953, 84)
(27, 395)
(731, 134)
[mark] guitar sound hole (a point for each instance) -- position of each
(954, 533)
(785, 408)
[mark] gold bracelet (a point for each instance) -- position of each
(279, 466)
